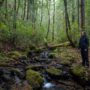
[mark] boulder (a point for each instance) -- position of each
(34, 78)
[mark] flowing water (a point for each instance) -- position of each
(51, 86)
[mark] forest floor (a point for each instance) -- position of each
(73, 52)
(63, 59)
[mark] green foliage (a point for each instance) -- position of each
(26, 36)
(34, 78)
(62, 36)
(5, 33)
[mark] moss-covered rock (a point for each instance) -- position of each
(18, 72)
(79, 71)
(14, 54)
(3, 58)
(67, 59)
(54, 71)
(81, 74)
(34, 78)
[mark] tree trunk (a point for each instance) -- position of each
(6, 9)
(82, 15)
(68, 26)
(41, 14)
(28, 3)
(15, 16)
(18, 7)
(53, 20)
(1, 2)
(73, 11)
(24, 13)
(48, 29)
(78, 4)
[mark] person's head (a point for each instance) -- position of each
(83, 33)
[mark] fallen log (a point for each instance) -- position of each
(48, 47)
(59, 45)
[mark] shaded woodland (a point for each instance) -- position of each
(39, 42)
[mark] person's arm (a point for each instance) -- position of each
(79, 44)
(87, 41)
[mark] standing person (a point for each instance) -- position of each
(83, 45)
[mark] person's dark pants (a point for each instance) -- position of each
(85, 59)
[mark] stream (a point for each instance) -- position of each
(8, 79)
(51, 86)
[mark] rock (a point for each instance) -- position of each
(81, 74)
(78, 71)
(34, 78)
(67, 59)
(26, 86)
(14, 54)
(18, 72)
(54, 72)
(52, 55)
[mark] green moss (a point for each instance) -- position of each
(54, 71)
(67, 58)
(34, 78)
(65, 62)
(79, 71)
(14, 54)
(3, 58)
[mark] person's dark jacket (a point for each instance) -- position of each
(83, 42)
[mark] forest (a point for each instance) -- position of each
(44, 44)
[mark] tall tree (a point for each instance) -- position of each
(15, 15)
(73, 11)
(28, 8)
(48, 29)
(18, 7)
(68, 26)
(41, 13)
(78, 7)
(6, 9)
(1, 2)
(53, 20)
(82, 14)
(24, 11)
